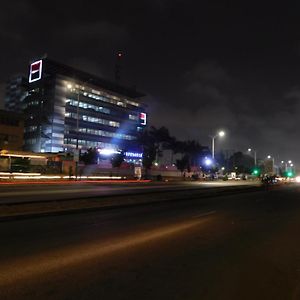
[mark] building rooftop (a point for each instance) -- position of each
(56, 67)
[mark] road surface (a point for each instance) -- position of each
(243, 246)
(17, 193)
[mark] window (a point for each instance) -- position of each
(107, 134)
(88, 106)
(87, 143)
(30, 128)
(132, 103)
(30, 141)
(133, 117)
(94, 120)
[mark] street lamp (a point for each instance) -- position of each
(273, 162)
(70, 88)
(219, 134)
(77, 91)
(254, 152)
(285, 165)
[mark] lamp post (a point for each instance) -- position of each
(254, 152)
(285, 165)
(273, 162)
(219, 134)
(70, 87)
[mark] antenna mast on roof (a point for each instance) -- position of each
(118, 67)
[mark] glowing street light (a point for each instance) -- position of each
(219, 134)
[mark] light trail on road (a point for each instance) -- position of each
(29, 267)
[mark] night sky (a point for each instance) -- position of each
(204, 65)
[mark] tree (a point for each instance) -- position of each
(117, 159)
(90, 157)
(192, 149)
(161, 139)
(240, 163)
(149, 155)
(183, 164)
(155, 140)
(147, 141)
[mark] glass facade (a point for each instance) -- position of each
(65, 111)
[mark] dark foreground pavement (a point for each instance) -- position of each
(243, 246)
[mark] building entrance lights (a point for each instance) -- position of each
(219, 134)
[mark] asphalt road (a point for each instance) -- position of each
(243, 246)
(17, 193)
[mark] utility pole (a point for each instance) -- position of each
(118, 67)
(219, 134)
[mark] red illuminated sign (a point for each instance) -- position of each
(35, 72)
(143, 118)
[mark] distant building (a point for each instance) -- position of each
(67, 109)
(11, 130)
(16, 92)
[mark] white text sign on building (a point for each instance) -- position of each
(35, 72)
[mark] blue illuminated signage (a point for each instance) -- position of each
(134, 154)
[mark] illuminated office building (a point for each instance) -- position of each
(67, 109)
(16, 92)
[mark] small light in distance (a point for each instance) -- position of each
(298, 179)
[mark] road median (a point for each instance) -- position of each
(78, 205)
